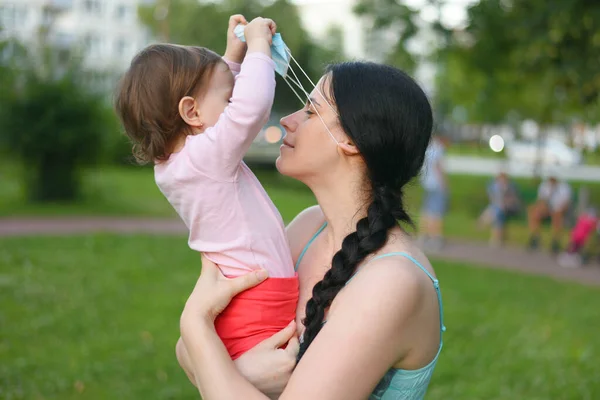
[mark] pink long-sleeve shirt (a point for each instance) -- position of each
(230, 217)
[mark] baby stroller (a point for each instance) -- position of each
(586, 227)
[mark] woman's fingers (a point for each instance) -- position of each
(211, 271)
(247, 281)
(280, 338)
(208, 265)
(213, 291)
(293, 346)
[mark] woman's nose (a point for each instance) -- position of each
(290, 122)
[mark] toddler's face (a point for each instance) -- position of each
(215, 97)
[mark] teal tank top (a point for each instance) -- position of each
(400, 384)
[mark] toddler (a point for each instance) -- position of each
(194, 115)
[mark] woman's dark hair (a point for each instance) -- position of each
(389, 119)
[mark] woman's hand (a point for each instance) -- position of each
(269, 367)
(236, 49)
(212, 293)
(266, 366)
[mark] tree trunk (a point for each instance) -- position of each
(53, 180)
(538, 166)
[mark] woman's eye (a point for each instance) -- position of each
(308, 112)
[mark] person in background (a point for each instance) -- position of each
(554, 201)
(435, 184)
(587, 223)
(504, 203)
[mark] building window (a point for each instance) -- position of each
(122, 12)
(13, 16)
(47, 16)
(63, 39)
(7, 52)
(61, 4)
(3, 15)
(8, 16)
(92, 6)
(92, 44)
(120, 47)
(63, 56)
(21, 15)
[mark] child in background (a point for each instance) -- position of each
(587, 223)
(195, 114)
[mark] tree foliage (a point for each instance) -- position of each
(190, 22)
(392, 16)
(534, 57)
(51, 122)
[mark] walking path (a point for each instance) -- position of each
(508, 258)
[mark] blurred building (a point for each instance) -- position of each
(320, 18)
(106, 32)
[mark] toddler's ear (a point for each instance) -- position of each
(188, 109)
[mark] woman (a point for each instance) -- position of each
(368, 297)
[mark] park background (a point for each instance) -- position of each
(95, 269)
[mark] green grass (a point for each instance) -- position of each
(106, 191)
(592, 158)
(96, 318)
(119, 191)
(129, 191)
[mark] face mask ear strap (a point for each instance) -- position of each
(293, 90)
(293, 78)
(315, 107)
(310, 80)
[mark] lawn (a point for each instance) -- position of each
(131, 191)
(96, 317)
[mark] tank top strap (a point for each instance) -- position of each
(312, 239)
(436, 283)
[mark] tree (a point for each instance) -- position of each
(53, 124)
(391, 16)
(533, 57)
(541, 53)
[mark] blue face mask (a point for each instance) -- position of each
(282, 55)
(279, 51)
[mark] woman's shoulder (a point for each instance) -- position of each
(397, 271)
(390, 295)
(400, 273)
(303, 227)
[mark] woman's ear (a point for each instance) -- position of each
(188, 110)
(348, 148)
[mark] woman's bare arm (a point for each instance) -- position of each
(365, 335)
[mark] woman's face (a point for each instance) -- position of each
(312, 134)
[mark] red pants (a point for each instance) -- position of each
(256, 314)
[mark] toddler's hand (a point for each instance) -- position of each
(259, 35)
(236, 49)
